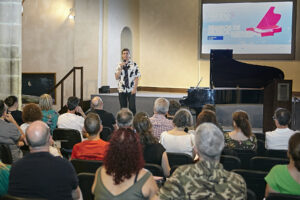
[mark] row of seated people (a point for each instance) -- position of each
(181, 121)
(123, 176)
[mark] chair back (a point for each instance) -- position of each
(155, 169)
(5, 154)
(88, 166)
(243, 155)
(179, 159)
(261, 150)
(250, 195)
(260, 136)
(106, 133)
(266, 163)
(86, 181)
(10, 197)
(67, 137)
(276, 153)
(278, 196)
(230, 162)
(255, 181)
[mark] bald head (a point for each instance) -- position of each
(37, 134)
(97, 103)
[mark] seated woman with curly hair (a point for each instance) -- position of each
(241, 137)
(122, 176)
(31, 113)
(154, 152)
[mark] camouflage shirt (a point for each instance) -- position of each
(203, 180)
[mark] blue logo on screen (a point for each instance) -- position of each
(215, 37)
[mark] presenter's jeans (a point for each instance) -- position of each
(127, 98)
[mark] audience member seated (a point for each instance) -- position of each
(179, 140)
(123, 176)
(4, 174)
(210, 107)
(124, 118)
(39, 174)
(31, 113)
(241, 138)
(93, 148)
(173, 108)
(50, 116)
(206, 116)
(286, 178)
(10, 132)
(205, 179)
(107, 118)
(278, 139)
(159, 121)
(70, 119)
(13, 105)
(154, 152)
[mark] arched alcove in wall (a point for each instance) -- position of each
(126, 39)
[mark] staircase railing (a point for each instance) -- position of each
(61, 83)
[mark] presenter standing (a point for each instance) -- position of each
(127, 73)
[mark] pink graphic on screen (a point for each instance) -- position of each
(267, 26)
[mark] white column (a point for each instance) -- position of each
(10, 48)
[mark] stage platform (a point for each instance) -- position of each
(145, 102)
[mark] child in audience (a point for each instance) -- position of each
(286, 178)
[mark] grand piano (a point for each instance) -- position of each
(231, 82)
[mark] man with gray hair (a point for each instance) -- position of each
(159, 121)
(107, 118)
(40, 174)
(205, 179)
(279, 138)
(124, 118)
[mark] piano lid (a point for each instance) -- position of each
(227, 72)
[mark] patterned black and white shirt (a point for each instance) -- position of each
(127, 76)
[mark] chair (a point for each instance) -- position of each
(67, 138)
(261, 147)
(155, 169)
(88, 166)
(106, 133)
(5, 154)
(230, 162)
(243, 155)
(10, 197)
(260, 136)
(255, 180)
(278, 196)
(179, 159)
(276, 153)
(250, 195)
(86, 181)
(266, 163)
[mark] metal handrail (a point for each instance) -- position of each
(61, 83)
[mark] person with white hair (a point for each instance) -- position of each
(107, 118)
(205, 179)
(159, 121)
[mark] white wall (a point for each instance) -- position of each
(117, 15)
